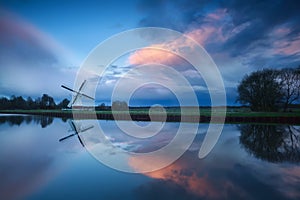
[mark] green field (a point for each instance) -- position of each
(230, 112)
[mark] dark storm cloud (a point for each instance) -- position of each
(260, 18)
(178, 14)
(250, 28)
(270, 12)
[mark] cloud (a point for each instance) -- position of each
(241, 37)
(240, 30)
(178, 15)
(158, 53)
(32, 63)
(153, 54)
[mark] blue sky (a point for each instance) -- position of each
(43, 43)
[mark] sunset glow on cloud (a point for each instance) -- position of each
(159, 53)
(154, 54)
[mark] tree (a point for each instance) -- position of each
(17, 102)
(260, 91)
(119, 105)
(29, 103)
(38, 103)
(101, 107)
(63, 104)
(4, 103)
(44, 102)
(47, 102)
(289, 80)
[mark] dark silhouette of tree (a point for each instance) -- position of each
(102, 107)
(30, 103)
(289, 80)
(119, 105)
(44, 102)
(38, 103)
(4, 103)
(260, 91)
(17, 102)
(47, 102)
(63, 104)
(271, 143)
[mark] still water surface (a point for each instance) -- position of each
(248, 162)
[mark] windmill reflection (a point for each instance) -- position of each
(273, 143)
(77, 128)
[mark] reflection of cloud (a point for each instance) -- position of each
(291, 178)
(22, 173)
(29, 159)
(185, 177)
(183, 174)
(212, 181)
(221, 176)
(22, 179)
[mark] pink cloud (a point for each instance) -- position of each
(217, 15)
(288, 47)
(158, 53)
(154, 54)
(282, 44)
(209, 32)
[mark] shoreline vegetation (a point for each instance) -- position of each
(172, 114)
(266, 96)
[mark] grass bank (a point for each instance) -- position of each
(241, 115)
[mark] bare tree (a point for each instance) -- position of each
(260, 90)
(289, 80)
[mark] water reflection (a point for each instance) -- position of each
(227, 173)
(30, 154)
(190, 178)
(38, 166)
(273, 143)
(12, 120)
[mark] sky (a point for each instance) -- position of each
(44, 43)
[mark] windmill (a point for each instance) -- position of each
(78, 93)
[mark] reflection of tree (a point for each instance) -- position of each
(12, 120)
(272, 143)
(45, 121)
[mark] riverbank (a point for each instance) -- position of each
(171, 116)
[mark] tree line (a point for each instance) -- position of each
(18, 102)
(47, 102)
(270, 89)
